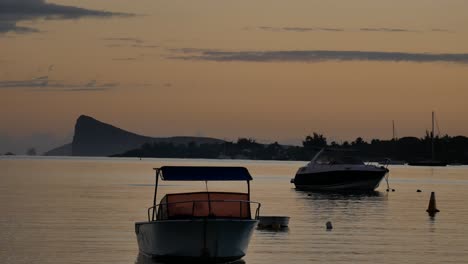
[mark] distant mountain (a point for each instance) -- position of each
(65, 150)
(95, 138)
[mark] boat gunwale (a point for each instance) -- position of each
(201, 219)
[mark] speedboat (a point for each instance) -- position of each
(337, 172)
(199, 226)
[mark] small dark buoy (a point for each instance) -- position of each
(418, 190)
(309, 194)
(432, 208)
(388, 190)
(329, 225)
(393, 190)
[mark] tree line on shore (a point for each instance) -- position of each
(446, 148)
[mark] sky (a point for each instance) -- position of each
(269, 70)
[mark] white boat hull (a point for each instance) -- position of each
(217, 240)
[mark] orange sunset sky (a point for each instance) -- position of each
(270, 70)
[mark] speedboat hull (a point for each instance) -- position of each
(339, 180)
(204, 240)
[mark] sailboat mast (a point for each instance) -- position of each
(432, 136)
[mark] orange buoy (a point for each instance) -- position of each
(432, 209)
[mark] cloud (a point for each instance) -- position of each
(124, 59)
(269, 28)
(6, 26)
(317, 56)
(441, 30)
(135, 40)
(145, 46)
(43, 83)
(132, 42)
(36, 82)
(305, 29)
(14, 11)
(388, 30)
(300, 29)
(337, 29)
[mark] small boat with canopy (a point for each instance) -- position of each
(199, 226)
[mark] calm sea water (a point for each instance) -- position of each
(82, 210)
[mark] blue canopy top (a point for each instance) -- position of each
(199, 173)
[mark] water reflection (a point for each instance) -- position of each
(341, 195)
(57, 211)
(281, 230)
(343, 205)
(144, 259)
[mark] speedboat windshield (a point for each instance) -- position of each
(331, 158)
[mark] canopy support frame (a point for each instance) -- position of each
(155, 192)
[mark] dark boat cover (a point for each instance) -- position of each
(199, 173)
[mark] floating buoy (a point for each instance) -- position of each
(418, 190)
(388, 190)
(309, 194)
(432, 208)
(329, 225)
(393, 190)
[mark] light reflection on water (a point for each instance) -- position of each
(82, 211)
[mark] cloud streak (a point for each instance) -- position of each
(124, 59)
(132, 42)
(312, 56)
(300, 29)
(126, 39)
(337, 29)
(388, 30)
(14, 11)
(43, 83)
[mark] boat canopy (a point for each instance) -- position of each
(204, 173)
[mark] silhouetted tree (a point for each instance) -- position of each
(359, 141)
(315, 141)
(449, 149)
(31, 152)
